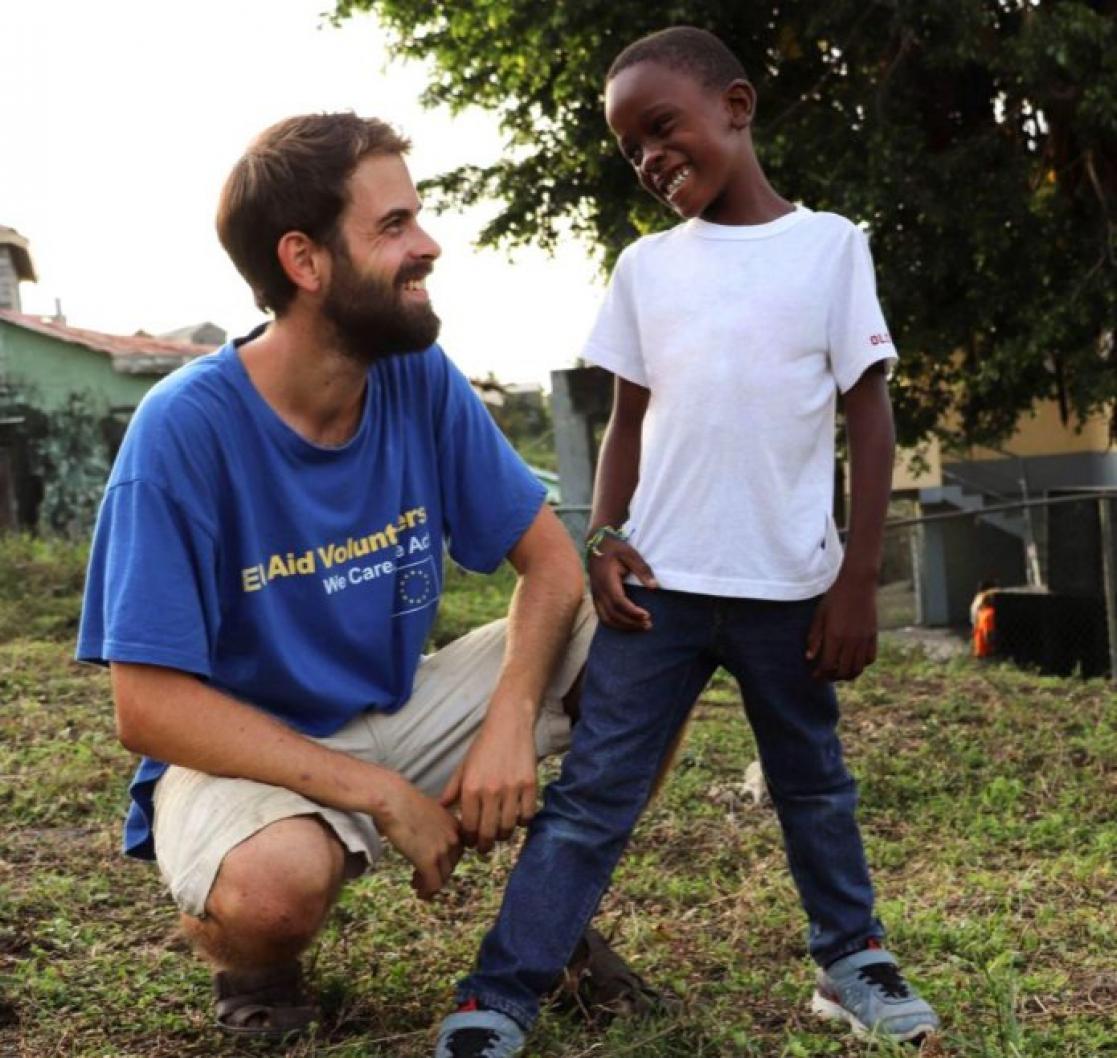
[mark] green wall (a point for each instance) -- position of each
(54, 369)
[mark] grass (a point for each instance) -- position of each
(987, 805)
(40, 586)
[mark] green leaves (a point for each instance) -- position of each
(977, 140)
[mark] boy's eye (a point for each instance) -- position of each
(631, 154)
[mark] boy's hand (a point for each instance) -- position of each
(607, 572)
(495, 785)
(842, 641)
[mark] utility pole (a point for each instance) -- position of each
(1109, 577)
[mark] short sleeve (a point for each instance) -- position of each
(489, 496)
(858, 336)
(151, 588)
(614, 341)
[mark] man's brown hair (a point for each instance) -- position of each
(294, 177)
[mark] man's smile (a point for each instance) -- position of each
(416, 288)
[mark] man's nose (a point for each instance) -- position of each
(427, 247)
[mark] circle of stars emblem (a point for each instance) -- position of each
(415, 587)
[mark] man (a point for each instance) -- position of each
(266, 569)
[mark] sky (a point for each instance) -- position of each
(122, 118)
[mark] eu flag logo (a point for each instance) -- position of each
(416, 586)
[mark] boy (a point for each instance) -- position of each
(713, 542)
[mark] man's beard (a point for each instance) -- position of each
(370, 316)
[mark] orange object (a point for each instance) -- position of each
(984, 629)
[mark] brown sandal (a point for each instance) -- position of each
(265, 1003)
(601, 985)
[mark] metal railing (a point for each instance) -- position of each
(1056, 607)
(1060, 617)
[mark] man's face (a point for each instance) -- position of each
(377, 298)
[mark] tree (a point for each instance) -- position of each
(977, 139)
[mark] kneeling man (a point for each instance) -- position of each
(267, 566)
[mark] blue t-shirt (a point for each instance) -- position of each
(301, 579)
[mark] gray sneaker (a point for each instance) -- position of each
(479, 1034)
(867, 990)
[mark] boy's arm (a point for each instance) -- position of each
(618, 471)
(843, 636)
(495, 785)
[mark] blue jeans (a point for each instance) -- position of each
(639, 688)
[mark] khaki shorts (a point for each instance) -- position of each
(199, 818)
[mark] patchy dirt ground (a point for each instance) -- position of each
(937, 644)
(987, 808)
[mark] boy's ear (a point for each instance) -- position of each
(740, 101)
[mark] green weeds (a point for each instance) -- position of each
(987, 806)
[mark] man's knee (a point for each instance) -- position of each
(280, 883)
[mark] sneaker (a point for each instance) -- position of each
(867, 990)
(479, 1034)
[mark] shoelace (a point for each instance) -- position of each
(471, 1043)
(887, 977)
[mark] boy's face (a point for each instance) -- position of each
(684, 140)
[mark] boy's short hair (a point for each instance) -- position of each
(685, 49)
(294, 177)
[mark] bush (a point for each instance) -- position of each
(72, 459)
(469, 601)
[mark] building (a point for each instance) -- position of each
(51, 360)
(16, 266)
(198, 334)
(44, 365)
(1054, 548)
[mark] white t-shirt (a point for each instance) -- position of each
(744, 335)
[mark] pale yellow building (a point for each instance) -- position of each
(1052, 548)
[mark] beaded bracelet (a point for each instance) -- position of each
(600, 534)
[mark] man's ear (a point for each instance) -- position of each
(740, 101)
(305, 262)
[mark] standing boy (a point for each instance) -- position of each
(713, 544)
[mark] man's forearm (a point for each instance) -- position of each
(175, 717)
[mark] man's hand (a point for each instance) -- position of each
(607, 572)
(842, 641)
(423, 831)
(495, 786)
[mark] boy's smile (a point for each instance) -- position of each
(674, 182)
(689, 144)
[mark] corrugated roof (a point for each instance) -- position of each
(129, 353)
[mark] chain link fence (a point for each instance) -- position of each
(1031, 582)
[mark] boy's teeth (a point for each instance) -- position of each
(677, 181)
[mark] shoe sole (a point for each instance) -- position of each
(831, 1011)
